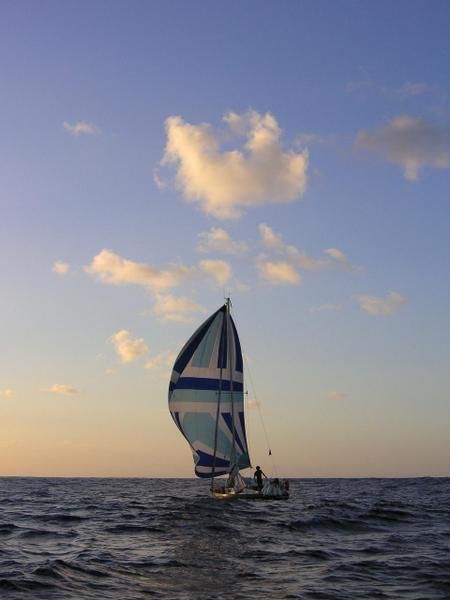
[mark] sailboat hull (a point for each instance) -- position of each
(246, 495)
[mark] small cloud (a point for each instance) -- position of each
(269, 238)
(413, 88)
(172, 308)
(126, 348)
(335, 395)
(65, 390)
(60, 267)
(7, 393)
(278, 273)
(113, 269)
(219, 240)
(161, 184)
(274, 241)
(413, 143)
(253, 403)
(225, 183)
(377, 306)
(310, 139)
(219, 270)
(163, 360)
(81, 128)
(360, 86)
(340, 259)
(325, 307)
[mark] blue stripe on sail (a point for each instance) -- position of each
(229, 421)
(207, 460)
(237, 344)
(202, 383)
(217, 473)
(242, 422)
(223, 346)
(186, 354)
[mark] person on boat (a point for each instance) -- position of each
(258, 476)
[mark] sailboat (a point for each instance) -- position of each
(206, 401)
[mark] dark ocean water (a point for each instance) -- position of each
(150, 538)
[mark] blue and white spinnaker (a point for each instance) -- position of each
(206, 398)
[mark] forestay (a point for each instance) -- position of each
(206, 396)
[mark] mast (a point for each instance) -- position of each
(230, 357)
(219, 394)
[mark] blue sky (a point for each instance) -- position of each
(339, 210)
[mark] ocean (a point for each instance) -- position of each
(166, 538)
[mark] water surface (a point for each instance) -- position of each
(156, 538)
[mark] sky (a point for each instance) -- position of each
(157, 157)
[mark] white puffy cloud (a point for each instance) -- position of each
(336, 259)
(335, 395)
(60, 267)
(374, 305)
(218, 239)
(411, 142)
(278, 272)
(225, 182)
(219, 270)
(7, 393)
(113, 269)
(126, 348)
(172, 308)
(65, 390)
(81, 128)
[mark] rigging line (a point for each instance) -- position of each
(247, 369)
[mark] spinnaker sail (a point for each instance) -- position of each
(206, 396)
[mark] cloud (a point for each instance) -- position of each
(161, 361)
(219, 240)
(253, 403)
(413, 143)
(269, 238)
(126, 348)
(7, 393)
(340, 260)
(65, 390)
(377, 306)
(223, 182)
(274, 241)
(81, 128)
(61, 268)
(219, 270)
(172, 308)
(310, 139)
(113, 269)
(278, 273)
(413, 88)
(335, 395)
(325, 307)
